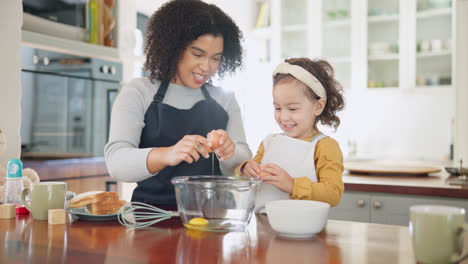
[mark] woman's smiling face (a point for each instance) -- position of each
(200, 61)
(295, 113)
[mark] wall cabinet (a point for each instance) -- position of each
(382, 208)
(338, 38)
(373, 43)
(433, 43)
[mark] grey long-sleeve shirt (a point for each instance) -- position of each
(126, 161)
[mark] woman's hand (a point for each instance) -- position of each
(227, 145)
(187, 149)
(278, 177)
(251, 168)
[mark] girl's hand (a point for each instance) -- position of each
(226, 147)
(278, 177)
(251, 168)
(187, 149)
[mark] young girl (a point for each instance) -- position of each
(302, 163)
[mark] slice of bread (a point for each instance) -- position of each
(87, 198)
(105, 207)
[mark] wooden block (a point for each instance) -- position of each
(57, 216)
(7, 211)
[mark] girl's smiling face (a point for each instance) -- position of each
(200, 61)
(295, 113)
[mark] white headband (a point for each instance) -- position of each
(302, 75)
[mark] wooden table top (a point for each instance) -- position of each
(31, 241)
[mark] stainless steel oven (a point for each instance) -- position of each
(66, 102)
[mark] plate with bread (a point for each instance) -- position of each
(96, 206)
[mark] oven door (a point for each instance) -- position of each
(56, 116)
(104, 96)
(66, 103)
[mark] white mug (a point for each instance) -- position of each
(437, 233)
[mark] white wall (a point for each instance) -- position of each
(398, 125)
(11, 19)
(126, 26)
(461, 81)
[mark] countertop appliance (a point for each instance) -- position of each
(71, 13)
(60, 18)
(66, 102)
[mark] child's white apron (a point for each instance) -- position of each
(293, 155)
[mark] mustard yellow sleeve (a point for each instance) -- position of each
(329, 170)
(258, 158)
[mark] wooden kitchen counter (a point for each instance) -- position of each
(62, 169)
(81, 175)
(25, 240)
(433, 185)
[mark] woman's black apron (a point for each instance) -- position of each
(164, 127)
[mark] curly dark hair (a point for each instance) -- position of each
(323, 71)
(179, 22)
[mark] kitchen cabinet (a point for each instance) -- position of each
(375, 44)
(384, 43)
(409, 43)
(338, 38)
(385, 208)
(433, 46)
(293, 28)
(284, 29)
(354, 206)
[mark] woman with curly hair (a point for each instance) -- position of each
(160, 124)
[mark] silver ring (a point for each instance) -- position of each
(199, 147)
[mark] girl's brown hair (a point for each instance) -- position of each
(323, 71)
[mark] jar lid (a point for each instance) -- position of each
(14, 168)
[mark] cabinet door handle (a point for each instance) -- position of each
(377, 204)
(361, 203)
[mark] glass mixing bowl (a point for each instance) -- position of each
(223, 203)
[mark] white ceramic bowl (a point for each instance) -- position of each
(297, 218)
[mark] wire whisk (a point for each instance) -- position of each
(140, 215)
